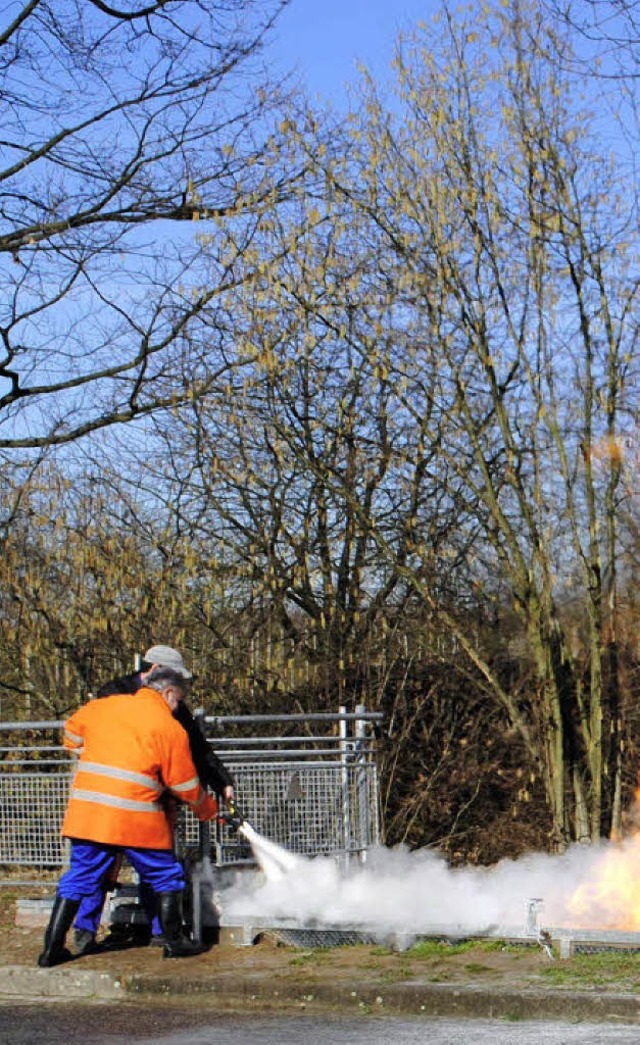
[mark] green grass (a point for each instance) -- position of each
(438, 949)
(397, 975)
(607, 970)
(317, 956)
(595, 970)
(430, 949)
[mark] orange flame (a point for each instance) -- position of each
(610, 898)
(608, 450)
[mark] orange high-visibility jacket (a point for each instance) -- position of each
(131, 748)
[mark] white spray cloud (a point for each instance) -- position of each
(403, 891)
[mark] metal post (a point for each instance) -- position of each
(364, 832)
(534, 906)
(346, 803)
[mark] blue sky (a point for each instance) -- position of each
(323, 40)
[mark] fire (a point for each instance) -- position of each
(610, 897)
(609, 450)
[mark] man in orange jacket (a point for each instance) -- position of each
(212, 772)
(130, 752)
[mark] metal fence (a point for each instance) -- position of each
(313, 791)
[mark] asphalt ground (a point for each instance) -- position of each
(150, 1024)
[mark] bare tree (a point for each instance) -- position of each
(509, 240)
(130, 132)
(304, 464)
(606, 34)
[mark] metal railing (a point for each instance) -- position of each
(313, 791)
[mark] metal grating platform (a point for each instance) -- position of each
(247, 931)
(566, 941)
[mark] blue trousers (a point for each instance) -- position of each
(159, 872)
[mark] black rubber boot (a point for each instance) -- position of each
(176, 944)
(84, 941)
(62, 915)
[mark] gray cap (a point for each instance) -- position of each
(167, 657)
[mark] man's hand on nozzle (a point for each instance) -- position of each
(230, 814)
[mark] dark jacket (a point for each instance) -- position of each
(212, 772)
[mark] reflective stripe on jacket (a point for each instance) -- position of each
(131, 749)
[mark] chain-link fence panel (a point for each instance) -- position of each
(313, 801)
(32, 806)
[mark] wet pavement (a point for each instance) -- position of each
(65, 1024)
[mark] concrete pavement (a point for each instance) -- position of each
(259, 992)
